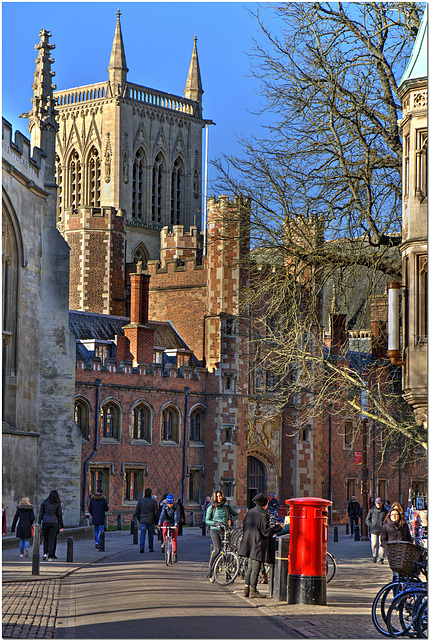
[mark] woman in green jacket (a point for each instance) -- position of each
(218, 511)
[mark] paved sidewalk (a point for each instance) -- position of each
(31, 603)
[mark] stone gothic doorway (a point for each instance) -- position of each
(256, 479)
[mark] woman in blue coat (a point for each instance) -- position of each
(98, 508)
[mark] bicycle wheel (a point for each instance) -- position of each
(402, 613)
(226, 568)
(331, 566)
(382, 602)
(422, 619)
(168, 551)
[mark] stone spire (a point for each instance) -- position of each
(194, 89)
(42, 117)
(118, 65)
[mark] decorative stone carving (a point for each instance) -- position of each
(107, 160)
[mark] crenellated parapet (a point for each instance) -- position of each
(17, 153)
(126, 367)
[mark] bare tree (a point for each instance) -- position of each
(324, 181)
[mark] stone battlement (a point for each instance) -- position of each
(19, 154)
(126, 367)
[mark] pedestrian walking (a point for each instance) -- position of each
(4, 520)
(182, 520)
(374, 521)
(255, 541)
(51, 519)
(24, 518)
(353, 511)
(146, 512)
(98, 507)
(219, 510)
(395, 528)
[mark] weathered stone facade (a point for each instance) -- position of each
(41, 445)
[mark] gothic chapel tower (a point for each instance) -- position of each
(128, 162)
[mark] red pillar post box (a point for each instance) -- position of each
(306, 581)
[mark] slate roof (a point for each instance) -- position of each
(99, 326)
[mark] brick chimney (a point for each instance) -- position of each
(138, 332)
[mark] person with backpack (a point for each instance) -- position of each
(218, 511)
(170, 517)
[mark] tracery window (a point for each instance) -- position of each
(110, 421)
(138, 187)
(421, 162)
(196, 426)
(81, 418)
(94, 178)
(176, 186)
(170, 425)
(75, 180)
(157, 177)
(141, 424)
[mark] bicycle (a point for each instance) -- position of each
(226, 566)
(168, 545)
(331, 567)
(386, 595)
(404, 611)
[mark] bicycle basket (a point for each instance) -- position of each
(402, 556)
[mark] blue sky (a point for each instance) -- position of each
(158, 40)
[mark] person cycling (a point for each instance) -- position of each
(218, 511)
(170, 517)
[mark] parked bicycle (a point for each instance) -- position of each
(331, 566)
(227, 564)
(410, 562)
(406, 613)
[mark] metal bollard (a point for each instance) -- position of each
(119, 522)
(203, 529)
(102, 541)
(135, 535)
(335, 534)
(69, 556)
(347, 529)
(35, 568)
(132, 526)
(357, 532)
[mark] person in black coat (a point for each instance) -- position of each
(51, 518)
(146, 512)
(98, 508)
(255, 542)
(24, 517)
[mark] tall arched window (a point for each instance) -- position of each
(141, 424)
(81, 418)
(157, 177)
(176, 186)
(110, 421)
(138, 186)
(59, 179)
(75, 180)
(196, 426)
(170, 425)
(94, 178)
(11, 259)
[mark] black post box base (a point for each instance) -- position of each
(306, 590)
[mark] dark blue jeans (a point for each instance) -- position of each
(98, 528)
(150, 528)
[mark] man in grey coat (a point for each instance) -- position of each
(146, 512)
(374, 522)
(254, 544)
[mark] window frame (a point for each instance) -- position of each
(116, 425)
(83, 405)
(141, 406)
(175, 427)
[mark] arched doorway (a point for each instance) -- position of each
(256, 479)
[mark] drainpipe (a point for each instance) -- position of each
(94, 451)
(185, 438)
